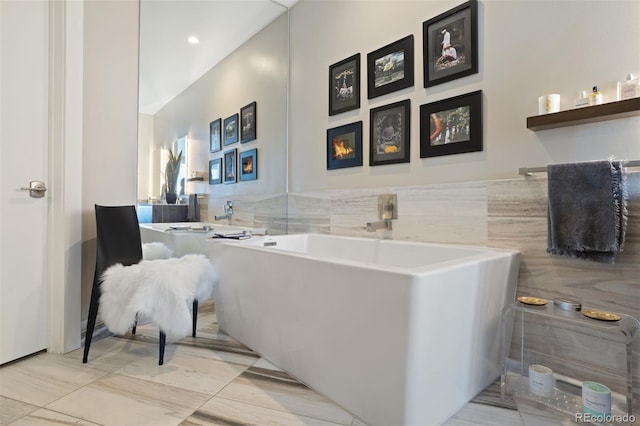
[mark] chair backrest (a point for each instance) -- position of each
(118, 237)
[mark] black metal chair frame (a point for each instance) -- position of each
(118, 241)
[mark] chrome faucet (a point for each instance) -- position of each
(228, 211)
(381, 224)
(386, 212)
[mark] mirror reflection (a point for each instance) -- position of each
(201, 61)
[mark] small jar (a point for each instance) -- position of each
(582, 100)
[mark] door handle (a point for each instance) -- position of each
(36, 189)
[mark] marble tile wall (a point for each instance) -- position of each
(254, 211)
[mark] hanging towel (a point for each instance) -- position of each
(587, 210)
(193, 211)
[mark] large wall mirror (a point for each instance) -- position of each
(205, 60)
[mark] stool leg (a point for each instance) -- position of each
(195, 317)
(163, 339)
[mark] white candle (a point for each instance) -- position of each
(540, 380)
(596, 399)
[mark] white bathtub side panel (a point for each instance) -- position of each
(341, 330)
(462, 357)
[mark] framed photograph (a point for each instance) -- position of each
(249, 164)
(389, 133)
(344, 85)
(390, 68)
(450, 44)
(215, 135)
(451, 126)
(215, 171)
(230, 165)
(344, 146)
(249, 122)
(231, 129)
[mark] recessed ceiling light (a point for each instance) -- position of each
(193, 40)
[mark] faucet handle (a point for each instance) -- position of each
(387, 206)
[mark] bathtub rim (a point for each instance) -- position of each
(483, 253)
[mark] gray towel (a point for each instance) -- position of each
(587, 211)
(193, 210)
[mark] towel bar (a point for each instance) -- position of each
(527, 171)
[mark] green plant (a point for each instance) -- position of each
(171, 171)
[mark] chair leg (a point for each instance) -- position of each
(91, 320)
(195, 317)
(163, 339)
(135, 324)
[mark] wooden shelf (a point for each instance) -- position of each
(590, 114)
(195, 179)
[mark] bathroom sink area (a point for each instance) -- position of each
(190, 237)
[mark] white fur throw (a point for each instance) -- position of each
(156, 250)
(162, 290)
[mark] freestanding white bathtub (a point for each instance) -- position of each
(395, 332)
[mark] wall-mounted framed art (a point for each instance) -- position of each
(389, 133)
(215, 135)
(344, 146)
(344, 85)
(231, 129)
(450, 44)
(215, 171)
(390, 68)
(230, 165)
(249, 164)
(451, 126)
(249, 122)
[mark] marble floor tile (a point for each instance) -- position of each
(44, 417)
(263, 363)
(120, 400)
(42, 379)
(186, 371)
(220, 411)
(208, 380)
(277, 390)
(11, 410)
(479, 414)
(114, 353)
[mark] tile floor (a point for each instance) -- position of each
(208, 380)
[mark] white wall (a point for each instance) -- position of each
(526, 49)
(110, 117)
(146, 159)
(257, 71)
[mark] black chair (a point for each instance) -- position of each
(118, 236)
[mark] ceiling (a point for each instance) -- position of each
(169, 64)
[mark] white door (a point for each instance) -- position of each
(23, 158)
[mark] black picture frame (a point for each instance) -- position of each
(248, 164)
(231, 129)
(450, 44)
(344, 85)
(390, 134)
(215, 135)
(215, 171)
(451, 126)
(249, 122)
(344, 146)
(230, 166)
(390, 68)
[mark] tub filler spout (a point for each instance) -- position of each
(381, 224)
(228, 211)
